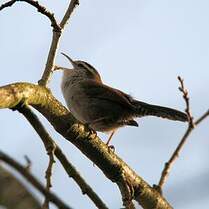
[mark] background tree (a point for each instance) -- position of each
(120, 65)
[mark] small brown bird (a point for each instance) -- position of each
(101, 107)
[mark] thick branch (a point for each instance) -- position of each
(21, 169)
(97, 151)
(69, 168)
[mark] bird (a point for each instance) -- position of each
(101, 107)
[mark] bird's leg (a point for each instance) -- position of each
(110, 137)
(108, 141)
(93, 124)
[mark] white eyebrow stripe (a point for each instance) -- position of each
(88, 67)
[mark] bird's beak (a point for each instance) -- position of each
(71, 61)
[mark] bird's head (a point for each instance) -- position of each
(83, 69)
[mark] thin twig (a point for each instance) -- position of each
(56, 67)
(50, 148)
(21, 169)
(68, 12)
(50, 152)
(28, 161)
(7, 4)
(55, 39)
(57, 32)
(40, 9)
(69, 168)
(186, 99)
(54, 45)
(200, 119)
(191, 126)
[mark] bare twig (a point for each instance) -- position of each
(28, 161)
(21, 169)
(40, 9)
(50, 147)
(7, 4)
(50, 59)
(68, 12)
(69, 168)
(50, 152)
(186, 99)
(200, 119)
(54, 45)
(57, 31)
(191, 126)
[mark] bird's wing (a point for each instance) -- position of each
(104, 92)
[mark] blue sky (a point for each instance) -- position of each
(139, 47)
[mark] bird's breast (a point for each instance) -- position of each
(77, 102)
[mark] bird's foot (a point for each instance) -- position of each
(111, 148)
(158, 188)
(91, 133)
(82, 130)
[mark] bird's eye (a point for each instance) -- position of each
(81, 65)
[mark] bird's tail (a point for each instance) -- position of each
(144, 109)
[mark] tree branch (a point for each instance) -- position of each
(40, 9)
(21, 169)
(55, 38)
(64, 123)
(69, 168)
(205, 115)
(48, 175)
(13, 194)
(54, 45)
(129, 183)
(68, 13)
(57, 32)
(191, 126)
(127, 193)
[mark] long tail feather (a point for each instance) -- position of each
(144, 109)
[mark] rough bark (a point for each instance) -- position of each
(112, 166)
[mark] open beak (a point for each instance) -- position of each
(71, 61)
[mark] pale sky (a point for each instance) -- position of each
(139, 47)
